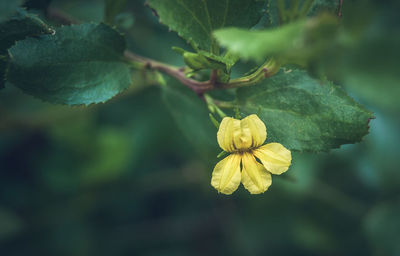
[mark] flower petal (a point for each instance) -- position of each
(275, 157)
(225, 133)
(255, 178)
(226, 175)
(257, 128)
(242, 134)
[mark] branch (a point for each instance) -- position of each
(178, 73)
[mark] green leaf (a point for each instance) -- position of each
(8, 8)
(19, 27)
(305, 114)
(37, 4)
(77, 65)
(192, 118)
(280, 12)
(319, 6)
(295, 43)
(194, 20)
(112, 9)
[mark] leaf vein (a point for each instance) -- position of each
(194, 17)
(225, 13)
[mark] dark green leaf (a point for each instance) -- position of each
(37, 4)
(20, 26)
(194, 20)
(293, 43)
(331, 6)
(305, 114)
(192, 117)
(77, 65)
(8, 8)
(272, 17)
(281, 12)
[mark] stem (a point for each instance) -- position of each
(268, 69)
(178, 73)
(214, 46)
(213, 76)
(213, 107)
(225, 104)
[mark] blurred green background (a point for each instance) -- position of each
(121, 179)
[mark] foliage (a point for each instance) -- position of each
(132, 176)
(85, 64)
(305, 114)
(292, 43)
(194, 20)
(18, 27)
(191, 116)
(78, 65)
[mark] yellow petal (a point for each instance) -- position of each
(275, 157)
(226, 175)
(255, 178)
(234, 134)
(257, 128)
(225, 133)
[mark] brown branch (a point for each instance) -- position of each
(178, 73)
(213, 77)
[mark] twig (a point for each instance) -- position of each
(178, 73)
(213, 77)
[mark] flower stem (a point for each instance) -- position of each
(213, 107)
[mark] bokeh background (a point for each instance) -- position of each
(121, 179)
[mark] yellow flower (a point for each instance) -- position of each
(243, 139)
